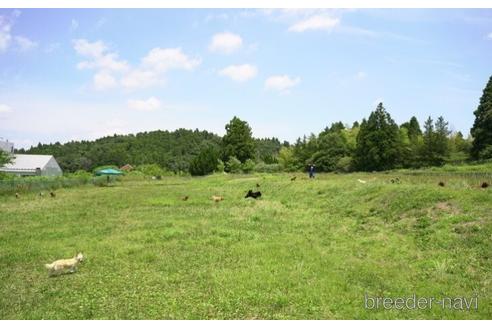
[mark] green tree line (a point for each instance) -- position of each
(375, 144)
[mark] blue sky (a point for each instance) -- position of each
(83, 74)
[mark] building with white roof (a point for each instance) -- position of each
(6, 146)
(22, 165)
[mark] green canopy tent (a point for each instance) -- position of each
(109, 172)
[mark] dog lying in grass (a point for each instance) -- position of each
(252, 194)
(217, 198)
(59, 266)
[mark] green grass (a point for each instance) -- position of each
(309, 249)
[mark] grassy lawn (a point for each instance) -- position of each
(309, 249)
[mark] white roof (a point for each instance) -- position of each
(27, 162)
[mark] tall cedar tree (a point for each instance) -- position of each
(238, 141)
(377, 142)
(482, 127)
(413, 128)
(435, 148)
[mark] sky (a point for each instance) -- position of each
(80, 74)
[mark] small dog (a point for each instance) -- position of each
(60, 265)
(257, 185)
(52, 194)
(293, 179)
(185, 198)
(252, 194)
(217, 198)
(441, 184)
(484, 185)
(17, 195)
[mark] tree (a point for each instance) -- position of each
(4, 158)
(267, 150)
(248, 166)
(331, 148)
(286, 158)
(205, 162)
(413, 129)
(233, 165)
(238, 141)
(482, 127)
(442, 134)
(377, 142)
(435, 148)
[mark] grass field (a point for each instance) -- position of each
(309, 249)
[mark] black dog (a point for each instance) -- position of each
(252, 194)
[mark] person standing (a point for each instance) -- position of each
(311, 171)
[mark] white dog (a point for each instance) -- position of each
(60, 265)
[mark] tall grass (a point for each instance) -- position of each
(35, 184)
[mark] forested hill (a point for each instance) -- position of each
(170, 150)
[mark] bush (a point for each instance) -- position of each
(344, 164)
(233, 165)
(205, 163)
(486, 153)
(248, 166)
(268, 168)
(220, 166)
(151, 170)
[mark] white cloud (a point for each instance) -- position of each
(318, 22)
(107, 61)
(89, 49)
(74, 24)
(5, 36)
(101, 59)
(225, 43)
(489, 36)
(113, 72)
(360, 75)
(166, 59)
(5, 109)
(281, 83)
(139, 78)
(147, 105)
(25, 44)
(104, 80)
(239, 73)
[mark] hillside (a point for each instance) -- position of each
(308, 249)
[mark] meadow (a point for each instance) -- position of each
(308, 249)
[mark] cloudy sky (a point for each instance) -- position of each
(83, 74)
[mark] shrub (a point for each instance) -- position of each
(151, 170)
(220, 166)
(268, 168)
(486, 153)
(344, 164)
(205, 163)
(248, 166)
(233, 165)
